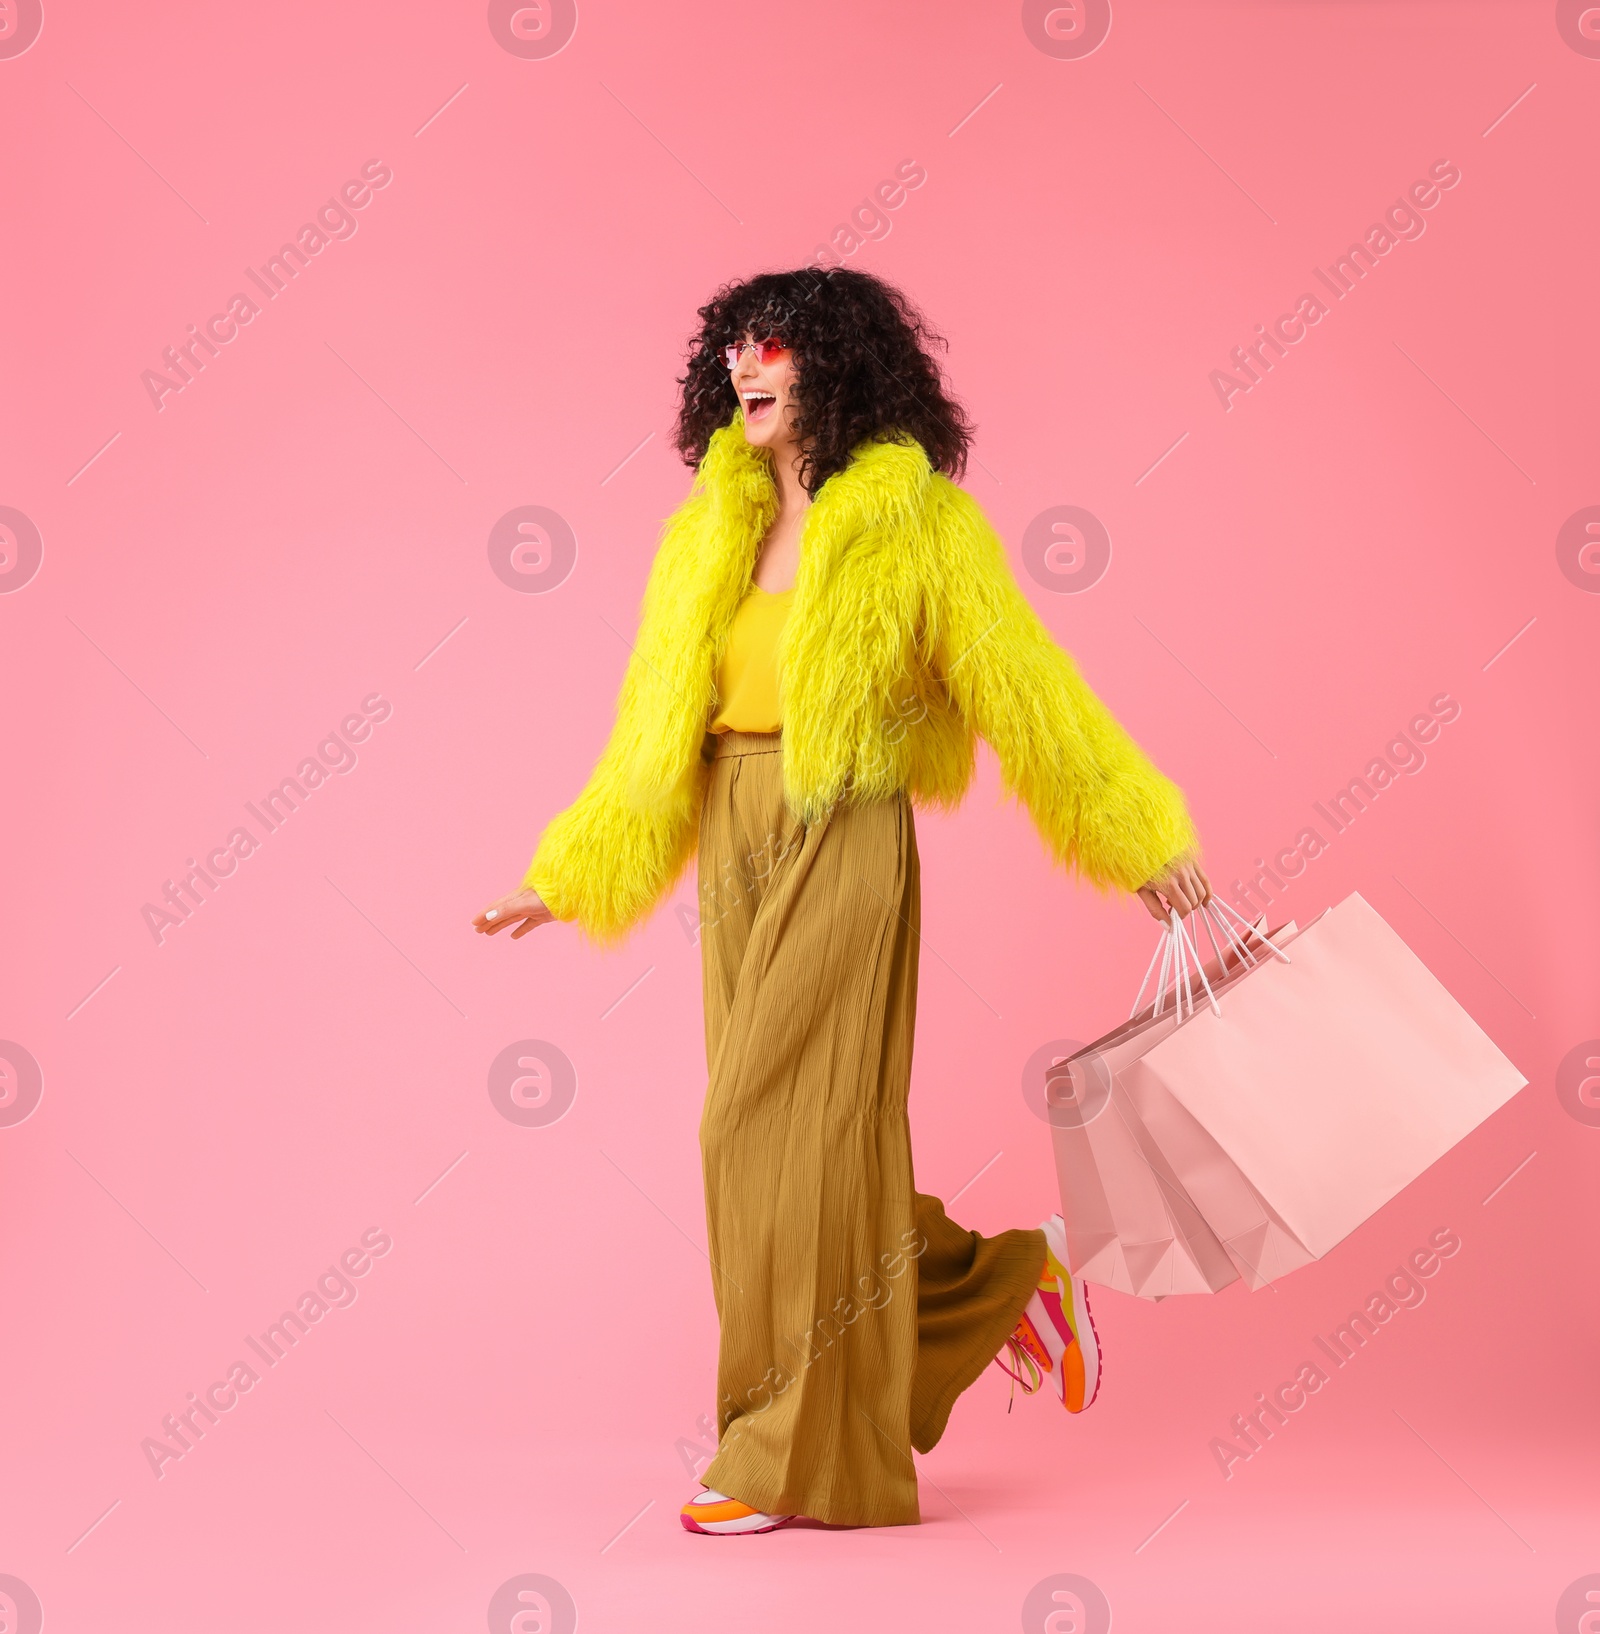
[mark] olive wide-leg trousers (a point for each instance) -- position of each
(853, 1310)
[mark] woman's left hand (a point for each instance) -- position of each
(1182, 882)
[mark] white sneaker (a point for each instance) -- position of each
(1055, 1334)
(715, 1513)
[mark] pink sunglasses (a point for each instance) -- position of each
(767, 351)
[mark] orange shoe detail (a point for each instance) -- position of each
(1072, 1379)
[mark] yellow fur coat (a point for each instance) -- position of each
(907, 637)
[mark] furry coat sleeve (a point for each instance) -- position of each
(610, 856)
(1099, 804)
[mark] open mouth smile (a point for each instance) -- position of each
(758, 405)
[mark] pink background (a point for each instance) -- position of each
(225, 579)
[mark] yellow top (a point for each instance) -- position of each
(747, 682)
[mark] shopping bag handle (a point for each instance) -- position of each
(1175, 950)
(1218, 911)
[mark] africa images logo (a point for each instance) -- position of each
(183, 1431)
(1066, 549)
(1403, 220)
(20, 1610)
(532, 1603)
(334, 221)
(21, 546)
(533, 1083)
(21, 1090)
(20, 23)
(1066, 28)
(532, 31)
(532, 550)
(1578, 24)
(198, 881)
(1577, 549)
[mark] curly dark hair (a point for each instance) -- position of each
(862, 352)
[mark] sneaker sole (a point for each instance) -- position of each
(736, 1529)
(1083, 1327)
(1088, 1342)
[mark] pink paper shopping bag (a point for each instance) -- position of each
(1134, 1222)
(1331, 1080)
(1130, 1222)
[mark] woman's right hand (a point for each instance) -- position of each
(524, 909)
(1182, 884)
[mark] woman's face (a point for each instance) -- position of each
(766, 394)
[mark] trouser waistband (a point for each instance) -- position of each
(717, 745)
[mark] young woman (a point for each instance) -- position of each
(828, 624)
